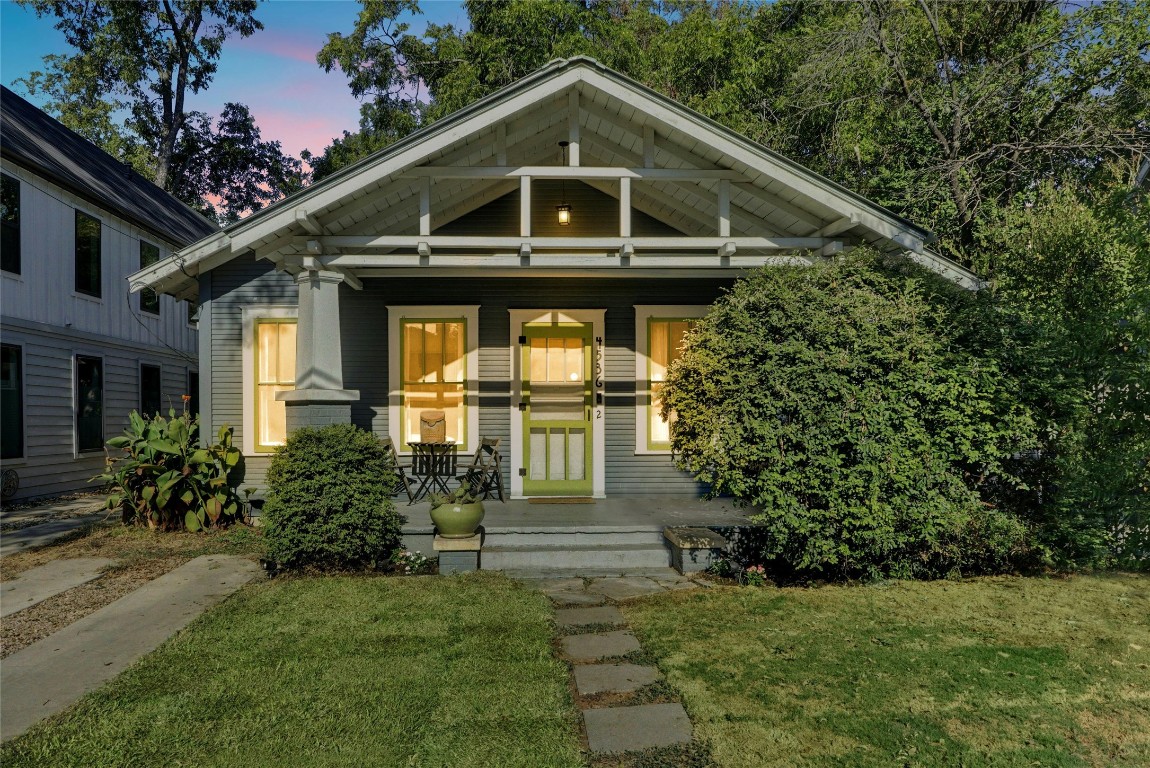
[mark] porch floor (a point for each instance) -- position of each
(613, 514)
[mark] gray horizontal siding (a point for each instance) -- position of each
(363, 320)
(49, 464)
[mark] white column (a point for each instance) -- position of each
(319, 352)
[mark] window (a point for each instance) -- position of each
(10, 221)
(87, 254)
(659, 332)
(151, 390)
(433, 373)
(193, 393)
(275, 372)
(193, 312)
(149, 299)
(89, 403)
(11, 402)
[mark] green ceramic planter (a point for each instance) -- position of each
(457, 521)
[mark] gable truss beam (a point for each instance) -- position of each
(569, 172)
(575, 243)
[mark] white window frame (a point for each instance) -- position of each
(140, 363)
(470, 315)
(643, 314)
(249, 318)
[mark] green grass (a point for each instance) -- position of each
(987, 672)
(336, 671)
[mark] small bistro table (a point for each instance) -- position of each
(433, 465)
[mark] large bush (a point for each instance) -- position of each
(329, 501)
(855, 406)
(165, 480)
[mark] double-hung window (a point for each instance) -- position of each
(659, 332)
(275, 372)
(151, 390)
(149, 299)
(88, 231)
(433, 366)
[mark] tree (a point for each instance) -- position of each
(144, 59)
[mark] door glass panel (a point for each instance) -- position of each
(576, 458)
(557, 461)
(538, 470)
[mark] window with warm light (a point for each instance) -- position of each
(433, 374)
(664, 346)
(275, 372)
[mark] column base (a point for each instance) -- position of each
(317, 407)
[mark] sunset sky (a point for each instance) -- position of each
(273, 71)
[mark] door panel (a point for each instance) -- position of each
(557, 418)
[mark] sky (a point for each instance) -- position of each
(274, 71)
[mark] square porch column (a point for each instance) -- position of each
(319, 397)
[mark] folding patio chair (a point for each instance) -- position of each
(389, 447)
(484, 475)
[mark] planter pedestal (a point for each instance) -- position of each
(458, 555)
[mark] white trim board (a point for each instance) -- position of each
(249, 316)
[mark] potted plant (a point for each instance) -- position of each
(457, 514)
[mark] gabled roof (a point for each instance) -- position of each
(32, 139)
(620, 124)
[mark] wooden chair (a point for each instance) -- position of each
(389, 447)
(484, 475)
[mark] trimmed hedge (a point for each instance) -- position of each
(329, 501)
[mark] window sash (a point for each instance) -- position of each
(11, 402)
(151, 390)
(10, 224)
(275, 349)
(149, 299)
(88, 230)
(433, 375)
(89, 403)
(664, 347)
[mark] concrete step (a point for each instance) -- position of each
(625, 557)
(559, 537)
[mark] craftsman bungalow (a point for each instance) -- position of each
(527, 265)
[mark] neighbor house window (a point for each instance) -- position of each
(87, 254)
(151, 390)
(89, 403)
(275, 372)
(193, 393)
(659, 331)
(11, 402)
(149, 299)
(433, 372)
(193, 312)
(10, 220)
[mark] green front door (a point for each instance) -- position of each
(556, 360)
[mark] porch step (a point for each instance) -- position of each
(558, 557)
(572, 537)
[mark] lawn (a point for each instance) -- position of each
(337, 671)
(986, 672)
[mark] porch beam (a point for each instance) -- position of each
(515, 263)
(308, 221)
(569, 172)
(837, 227)
(624, 207)
(524, 207)
(573, 128)
(724, 208)
(439, 242)
(425, 206)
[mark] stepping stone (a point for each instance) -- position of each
(577, 617)
(38, 584)
(576, 598)
(626, 729)
(550, 586)
(619, 678)
(599, 646)
(625, 587)
(53, 673)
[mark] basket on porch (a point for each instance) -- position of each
(432, 427)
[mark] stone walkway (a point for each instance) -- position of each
(596, 641)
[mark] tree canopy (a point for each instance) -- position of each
(141, 60)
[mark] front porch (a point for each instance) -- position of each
(596, 537)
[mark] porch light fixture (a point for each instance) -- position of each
(564, 209)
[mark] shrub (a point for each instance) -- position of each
(165, 480)
(844, 402)
(329, 501)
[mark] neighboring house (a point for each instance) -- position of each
(79, 350)
(527, 265)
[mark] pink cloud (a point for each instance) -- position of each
(282, 46)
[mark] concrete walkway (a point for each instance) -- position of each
(48, 676)
(24, 531)
(38, 584)
(598, 669)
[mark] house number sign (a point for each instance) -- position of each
(598, 377)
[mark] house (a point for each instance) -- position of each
(79, 351)
(527, 265)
